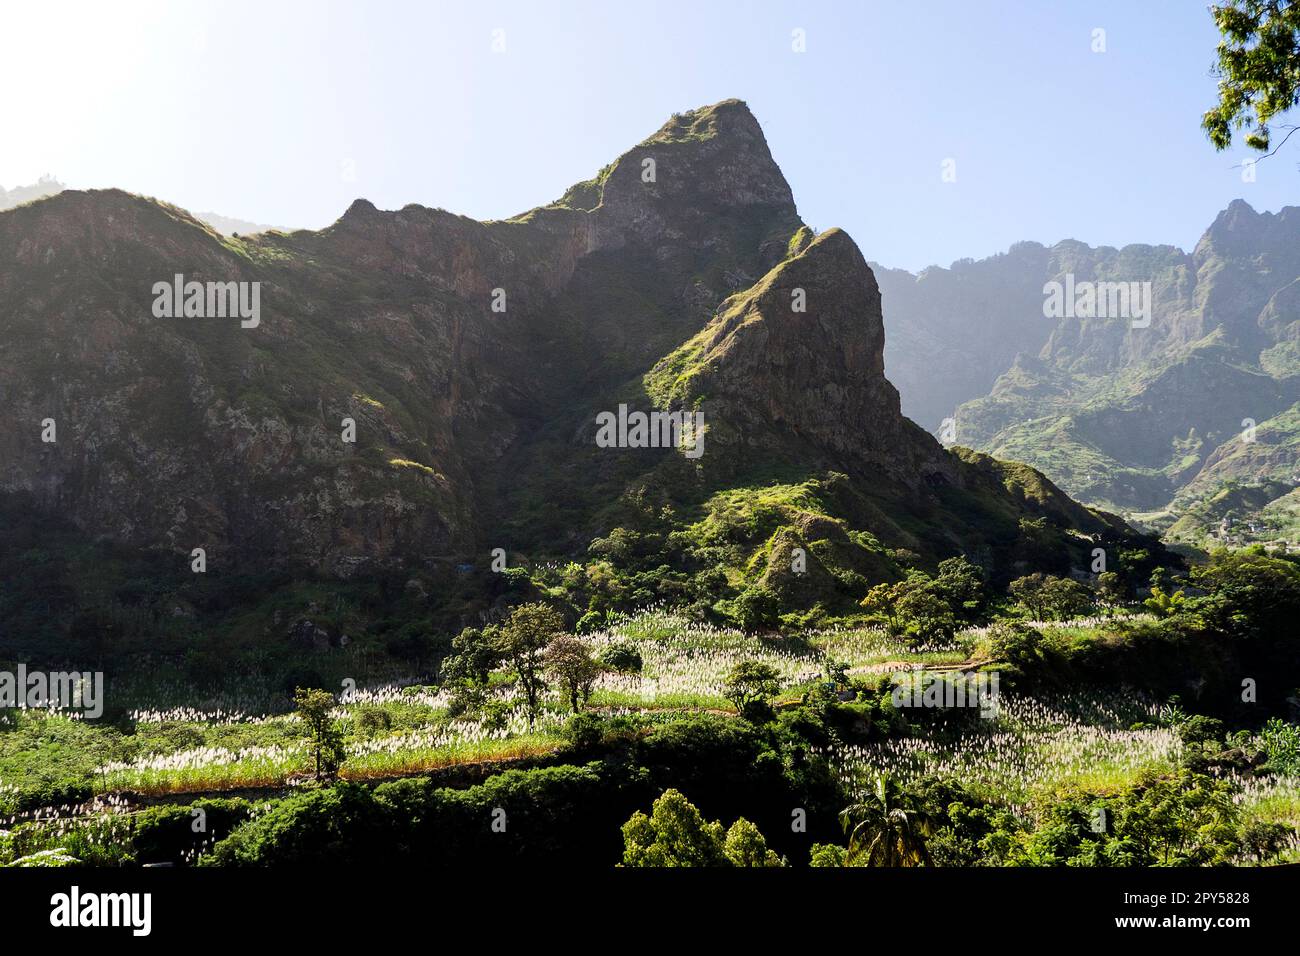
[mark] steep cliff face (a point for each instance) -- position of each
(471, 358)
(796, 364)
(197, 432)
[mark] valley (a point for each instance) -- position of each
(458, 605)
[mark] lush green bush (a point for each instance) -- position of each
(622, 657)
(1281, 742)
(1185, 818)
(675, 834)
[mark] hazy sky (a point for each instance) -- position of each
(283, 112)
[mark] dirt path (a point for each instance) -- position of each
(891, 667)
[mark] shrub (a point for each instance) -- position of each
(622, 657)
(369, 720)
(1016, 644)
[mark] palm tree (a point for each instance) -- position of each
(887, 828)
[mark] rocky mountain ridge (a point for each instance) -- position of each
(472, 359)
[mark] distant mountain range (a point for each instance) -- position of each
(1152, 420)
(45, 186)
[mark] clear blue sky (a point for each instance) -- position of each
(283, 112)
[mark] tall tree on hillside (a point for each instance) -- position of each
(881, 603)
(1111, 591)
(522, 640)
(961, 582)
(474, 653)
(314, 707)
(1258, 65)
(749, 683)
(1027, 591)
(570, 664)
(926, 617)
(674, 833)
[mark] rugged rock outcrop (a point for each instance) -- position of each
(797, 362)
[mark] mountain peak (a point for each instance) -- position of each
(360, 209)
(471, 358)
(1237, 219)
(1239, 230)
(1238, 213)
(698, 163)
(726, 118)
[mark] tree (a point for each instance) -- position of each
(1041, 545)
(314, 707)
(1110, 589)
(1252, 594)
(886, 828)
(1015, 643)
(370, 719)
(474, 654)
(961, 583)
(1065, 598)
(1281, 743)
(570, 664)
(745, 846)
(927, 607)
(881, 603)
(926, 616)
(1028, 593)
(1046, 597)
(756, 607)
(1181, 819)
(837, 672)
(1185, 819)
(622, 657)
(1258, 66)
(676, 834)
(826, 854)
(750, 682)
(522, 641)
(1162, 603)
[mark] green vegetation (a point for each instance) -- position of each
(325, 739)
(1065, 768)
(674, 834)
(1257, 66)
(886, 828)
(833, 643)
